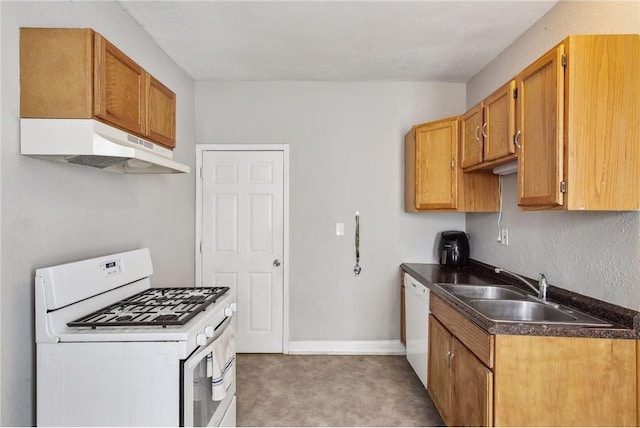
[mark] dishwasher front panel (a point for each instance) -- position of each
(417, 325)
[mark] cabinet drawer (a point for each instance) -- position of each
(473, 337)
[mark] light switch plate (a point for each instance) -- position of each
(505, 236)
(339, 229)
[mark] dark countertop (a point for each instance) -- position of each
(626, 322)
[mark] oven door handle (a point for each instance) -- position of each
(197, 357)
(224, 324)
(207, 348)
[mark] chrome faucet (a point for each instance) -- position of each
(541, 289)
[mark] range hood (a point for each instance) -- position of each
(91, 143)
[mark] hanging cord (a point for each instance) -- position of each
(500, 212)
(357, 269)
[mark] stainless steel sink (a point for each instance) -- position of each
(523, 311)
(509, 304)
(469, 291)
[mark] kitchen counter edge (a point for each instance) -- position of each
(626, 321)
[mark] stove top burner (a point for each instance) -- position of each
(154, 307)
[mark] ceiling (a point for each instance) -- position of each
(448, 41)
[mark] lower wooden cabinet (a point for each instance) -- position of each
(472, 389)
(564, 381)
(509, 380)
(439, 370)
(460, 386)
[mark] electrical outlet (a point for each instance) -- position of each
(504, 236)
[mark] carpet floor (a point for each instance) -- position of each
(330, 390)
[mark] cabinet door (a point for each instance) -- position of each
(499, 122)
(119, 87)
(472, 389)
(161, 113)
(540, 131)
(471, 135)
(436, 148)
(439, 377)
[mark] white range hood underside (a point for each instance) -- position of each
(91, 143)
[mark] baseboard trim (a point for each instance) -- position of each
(346, 347)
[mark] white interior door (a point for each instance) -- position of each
(243, 240)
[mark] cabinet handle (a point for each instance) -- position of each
(515, 139)
(449, 357)
(477, 133)
(453, 164)
(484, 130)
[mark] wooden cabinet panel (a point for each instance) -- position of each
(499, 123)
(472, 392)
(602, 87)
(119, 87)
(56, 75)
(564, 381)
(439, 378)
(479, 192)
(161, 112)
(471, 137)
(540, 122)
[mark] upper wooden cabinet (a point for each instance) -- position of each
(431, 150)
(578, 126)
(77, 73)
(488, 129)
(119, 91)
(471, 145)
(161, 113)
(433, 178)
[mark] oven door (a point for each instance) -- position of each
(198, 407)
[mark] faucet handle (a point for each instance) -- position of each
(542, 287)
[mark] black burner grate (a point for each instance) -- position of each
(153, 307)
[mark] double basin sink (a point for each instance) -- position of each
(505, 303)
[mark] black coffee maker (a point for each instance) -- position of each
(454, 248)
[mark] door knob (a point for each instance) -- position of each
(276, 262)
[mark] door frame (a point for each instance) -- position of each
(284, 148)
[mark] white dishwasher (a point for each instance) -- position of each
(416, 301)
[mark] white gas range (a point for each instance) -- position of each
(112, 351)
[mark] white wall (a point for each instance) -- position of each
(54, 213)
(597, 254)
(346, 154)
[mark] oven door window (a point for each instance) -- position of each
(203, 406)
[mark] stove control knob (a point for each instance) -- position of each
(209, 330)
(228, 311)
(201, 339)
